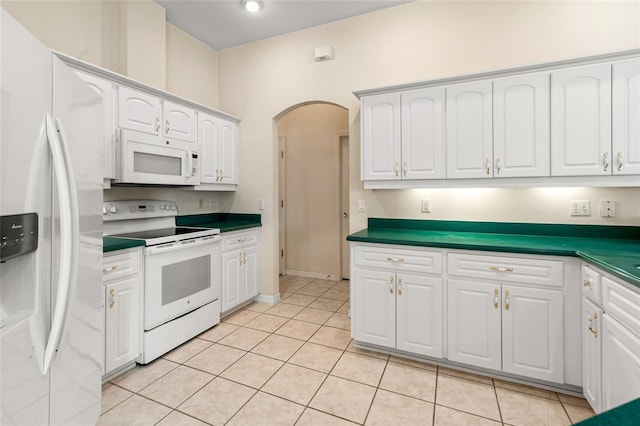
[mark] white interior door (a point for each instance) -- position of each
(281, 203)
(344, 205)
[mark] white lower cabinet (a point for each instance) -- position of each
(240, 268)
(122, 326)
(395, 308)
(592, 354)
(506, 327)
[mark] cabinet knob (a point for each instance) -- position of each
(399, 286)
(586, 283)
(605, 161)
(391, 284)
(487, 165)
(498, 165)
(619, 161)
(112, 293)
(396, 169)
(507, 300)
(496, 298)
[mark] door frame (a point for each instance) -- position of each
(343, 205)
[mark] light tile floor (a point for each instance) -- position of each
(294, 363)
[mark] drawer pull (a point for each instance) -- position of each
(242, 240)
(110, 268)
(590, 319)
(586, 283)
(507, 300)
(395, 259)
(501, 269)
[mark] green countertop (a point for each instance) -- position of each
(615, 249)
(115, 243)
(624, 415)
(226, 222)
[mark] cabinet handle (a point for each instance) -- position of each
(113, 298)
(395, 259)
(167, 128)
(590, 319)
(110, 268)
(501, 269)
(396, 168)
(240, 258)
(507, 300)
(498, 165)
(221, 175)
(391, 284)
(605, 161)
(488, 165)
(586, 283)
(242, 240)
(399, 286)
(619, 160)
(218, 175)
(496, 298)
(157, 124)
(404, 168)
(244, 258)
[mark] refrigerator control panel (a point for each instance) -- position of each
(19, 235)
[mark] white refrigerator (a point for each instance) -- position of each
(51, 247)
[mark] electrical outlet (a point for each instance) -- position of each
(607, 208)
(212, 202)
(426, 206)
(580, 207)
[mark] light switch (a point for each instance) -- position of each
(361, 206)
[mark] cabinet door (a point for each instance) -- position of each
(469, 131)
(122, 323)
(592, 354)
(207, 137)
(381, 146)
(474, 318)
(620, 364)
(626, 110)
(227, 158)
(179, 122)
(251, 273)
(374, 302)
(423, 134)
(105, 89)
(231, 276)
(419, 314)
(581, 121)
(138, 111)
(532, 335)
(521, 126)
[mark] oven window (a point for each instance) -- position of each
(157, 164)
(182, 279)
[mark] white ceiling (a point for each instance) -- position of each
(222, 24)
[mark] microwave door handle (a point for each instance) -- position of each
(190, 163)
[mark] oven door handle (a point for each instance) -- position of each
(180, 245)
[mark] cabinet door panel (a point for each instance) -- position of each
(620, 364)
(374, 307)
(423, 134)
(626, 110)
(532, 338)
(228, 151)
(251, 278)
(231, 275)
(581, 121)
(381, 146)
(179, 122)
(207, 136)
(469, 131)
(592, 354)
(474, 324)
(521, 126)
(138, 111)
(419, 314)
(122, 323)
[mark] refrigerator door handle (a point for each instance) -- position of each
(69, 237)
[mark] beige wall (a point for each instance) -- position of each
(413, 42)
(312, 188)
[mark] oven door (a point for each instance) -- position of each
(179, 278)
(152, 159)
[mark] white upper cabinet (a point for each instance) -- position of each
(581, 121)
(105, 89)
(626, 117)
(423, 134)
(207, 135)
(521, 126)
(139, 111)
(218, 139)
(381, 132)
(227, 152)
(179, 122)
(469, 131)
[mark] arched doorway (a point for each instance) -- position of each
(313, 190)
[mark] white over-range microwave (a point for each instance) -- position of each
(142, 158)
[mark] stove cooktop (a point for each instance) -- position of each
(164, 235)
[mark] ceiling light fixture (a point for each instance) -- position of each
(252, 5)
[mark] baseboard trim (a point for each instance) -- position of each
(272, 300)
(316, 275)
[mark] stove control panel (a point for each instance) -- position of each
(138, 209)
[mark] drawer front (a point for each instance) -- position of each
(399, 259)
(622, 304)
(240, 239)
(507, 269)
(120, 265)
(591, 285)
